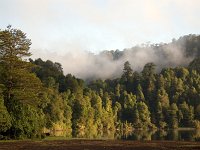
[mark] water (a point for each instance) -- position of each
(172, 135)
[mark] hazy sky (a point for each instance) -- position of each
(58, 26)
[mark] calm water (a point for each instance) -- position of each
(178, 135)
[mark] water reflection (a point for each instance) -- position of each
(139, 135)
(175, 135)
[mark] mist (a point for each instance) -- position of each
(108, 64)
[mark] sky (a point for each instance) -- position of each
(57, 27)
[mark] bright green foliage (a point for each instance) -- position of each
(136, 118)
(117, 91)
(83, 115)
(108, 115)
(36, 95)
(5, 119)
(161, 82)
(188, 114)
(181, 72)
(117, 112)
(139, 94)
(162, 97)
(129, 103)
(14, 46)
(27, 121)
(144, 113)
(22, 88)
(54, 107)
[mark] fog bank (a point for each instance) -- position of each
(109, 64)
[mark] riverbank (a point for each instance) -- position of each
(98, 145)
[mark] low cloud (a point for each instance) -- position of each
(106, 64)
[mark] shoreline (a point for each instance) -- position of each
(77, 144)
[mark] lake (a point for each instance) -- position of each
(172, 135)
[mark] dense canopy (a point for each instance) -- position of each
(36, 97)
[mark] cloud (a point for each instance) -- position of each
(103, 24)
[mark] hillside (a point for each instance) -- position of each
(109, 63)
(36, 97)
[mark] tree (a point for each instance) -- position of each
(127, 76)
(197, 110)
(160, 81)
(139, 94)
(136, 118)
(194, 65)
(46, 70)
(96, 103)
(5, 119)
(127, 72)
(148, 70)
(148, 83)
(172, 116)
(162, 97)
(159, 116)
(181, 72)
(117, 91)
(108, 115)
(27, 120)
(144, 113)
(13, 47)
(188, 114)
(129, 102)
(18, 81)
(54, 107)
(22, 88)
(117, 111)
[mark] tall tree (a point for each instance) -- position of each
(128, 72)
(22, 87)
(127, 76)
(18, 81)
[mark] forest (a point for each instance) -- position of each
(36, 96)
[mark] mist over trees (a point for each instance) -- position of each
(179, 52)
(37, 97)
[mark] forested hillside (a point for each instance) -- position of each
(36, 96)
(177, 53)
(187, 45)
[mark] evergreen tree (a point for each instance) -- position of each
(162, 97)
(139, 94)
(160, 120)
(5, 119)
(144, 114)
(187, 113)
(172, 116)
